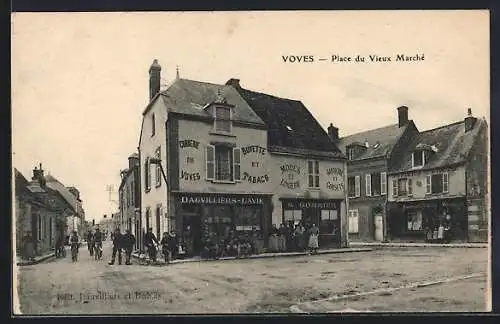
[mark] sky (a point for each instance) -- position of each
(80, 80)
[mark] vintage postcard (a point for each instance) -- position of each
(251, 162)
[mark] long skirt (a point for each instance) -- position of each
(29, 250)
(282, 243)
(273, 243)
(313, 241)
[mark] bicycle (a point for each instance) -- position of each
(98, 251)
(74, 252)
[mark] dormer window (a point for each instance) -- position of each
(222, 119)
(421, 155)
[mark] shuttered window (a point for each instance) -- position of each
(368, 181)
(236, 164)
(383, 183)
(210, 158)
(357, 186)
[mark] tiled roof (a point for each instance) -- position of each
(21, 183)
(54, 184)
(190, 97)
(289, 123)
(381, 141)
(452, 142)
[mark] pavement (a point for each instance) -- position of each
(431, 245)
(41, 258)
(143, 259)
(415, 279)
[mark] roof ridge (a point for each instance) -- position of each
(270, 95)
(367, 131)
(442, 126)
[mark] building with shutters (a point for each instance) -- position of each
(442, 175)
(217, 158)
(129, 198)
(371, 154)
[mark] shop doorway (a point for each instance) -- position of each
(192, 233)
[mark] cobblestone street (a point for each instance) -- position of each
(262, 285)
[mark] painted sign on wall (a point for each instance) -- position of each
(185, 174)
(336, 179)
(255, 175)
(289, 176)
(221, 200)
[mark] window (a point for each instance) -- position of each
(417, 159)
(353, 221)
(351, 187)
(414, 221)
(236, 164)
(368, 181)
(395, 188)
(402, 187)
(328, 223)
(223, 163)
(373, 184)
(437, 183)
(383, 183)
(247, 218)
(223, 119)
(420, 158)
(153, 125)
(350, 153)
(409, 185)
(313, 171)
(39, 227)
(147, 175)
(292, 215)
(158, 167)
(353, 184)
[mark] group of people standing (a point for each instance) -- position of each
(121, 242)
(294, 238)
(170, 245)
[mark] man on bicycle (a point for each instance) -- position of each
(75, 244)
(97, 238)
(90, 242)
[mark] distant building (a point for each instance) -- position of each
(443, 171)
(371, 154)
(130, 193)
(40, 210)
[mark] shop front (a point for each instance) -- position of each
(418, 221)
(325, 213)
(218, 216)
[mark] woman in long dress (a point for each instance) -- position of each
(313, 239)
(273, 239)
(29, 247)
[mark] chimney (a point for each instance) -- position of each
(133, 161)
(36, 174)
(469, 121)
(402, 116)
(333, 133)
(235, 83)
(154, 79)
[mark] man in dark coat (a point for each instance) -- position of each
(128, 242)
(117, 247)
(150, 241)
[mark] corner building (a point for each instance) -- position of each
(224, 168)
